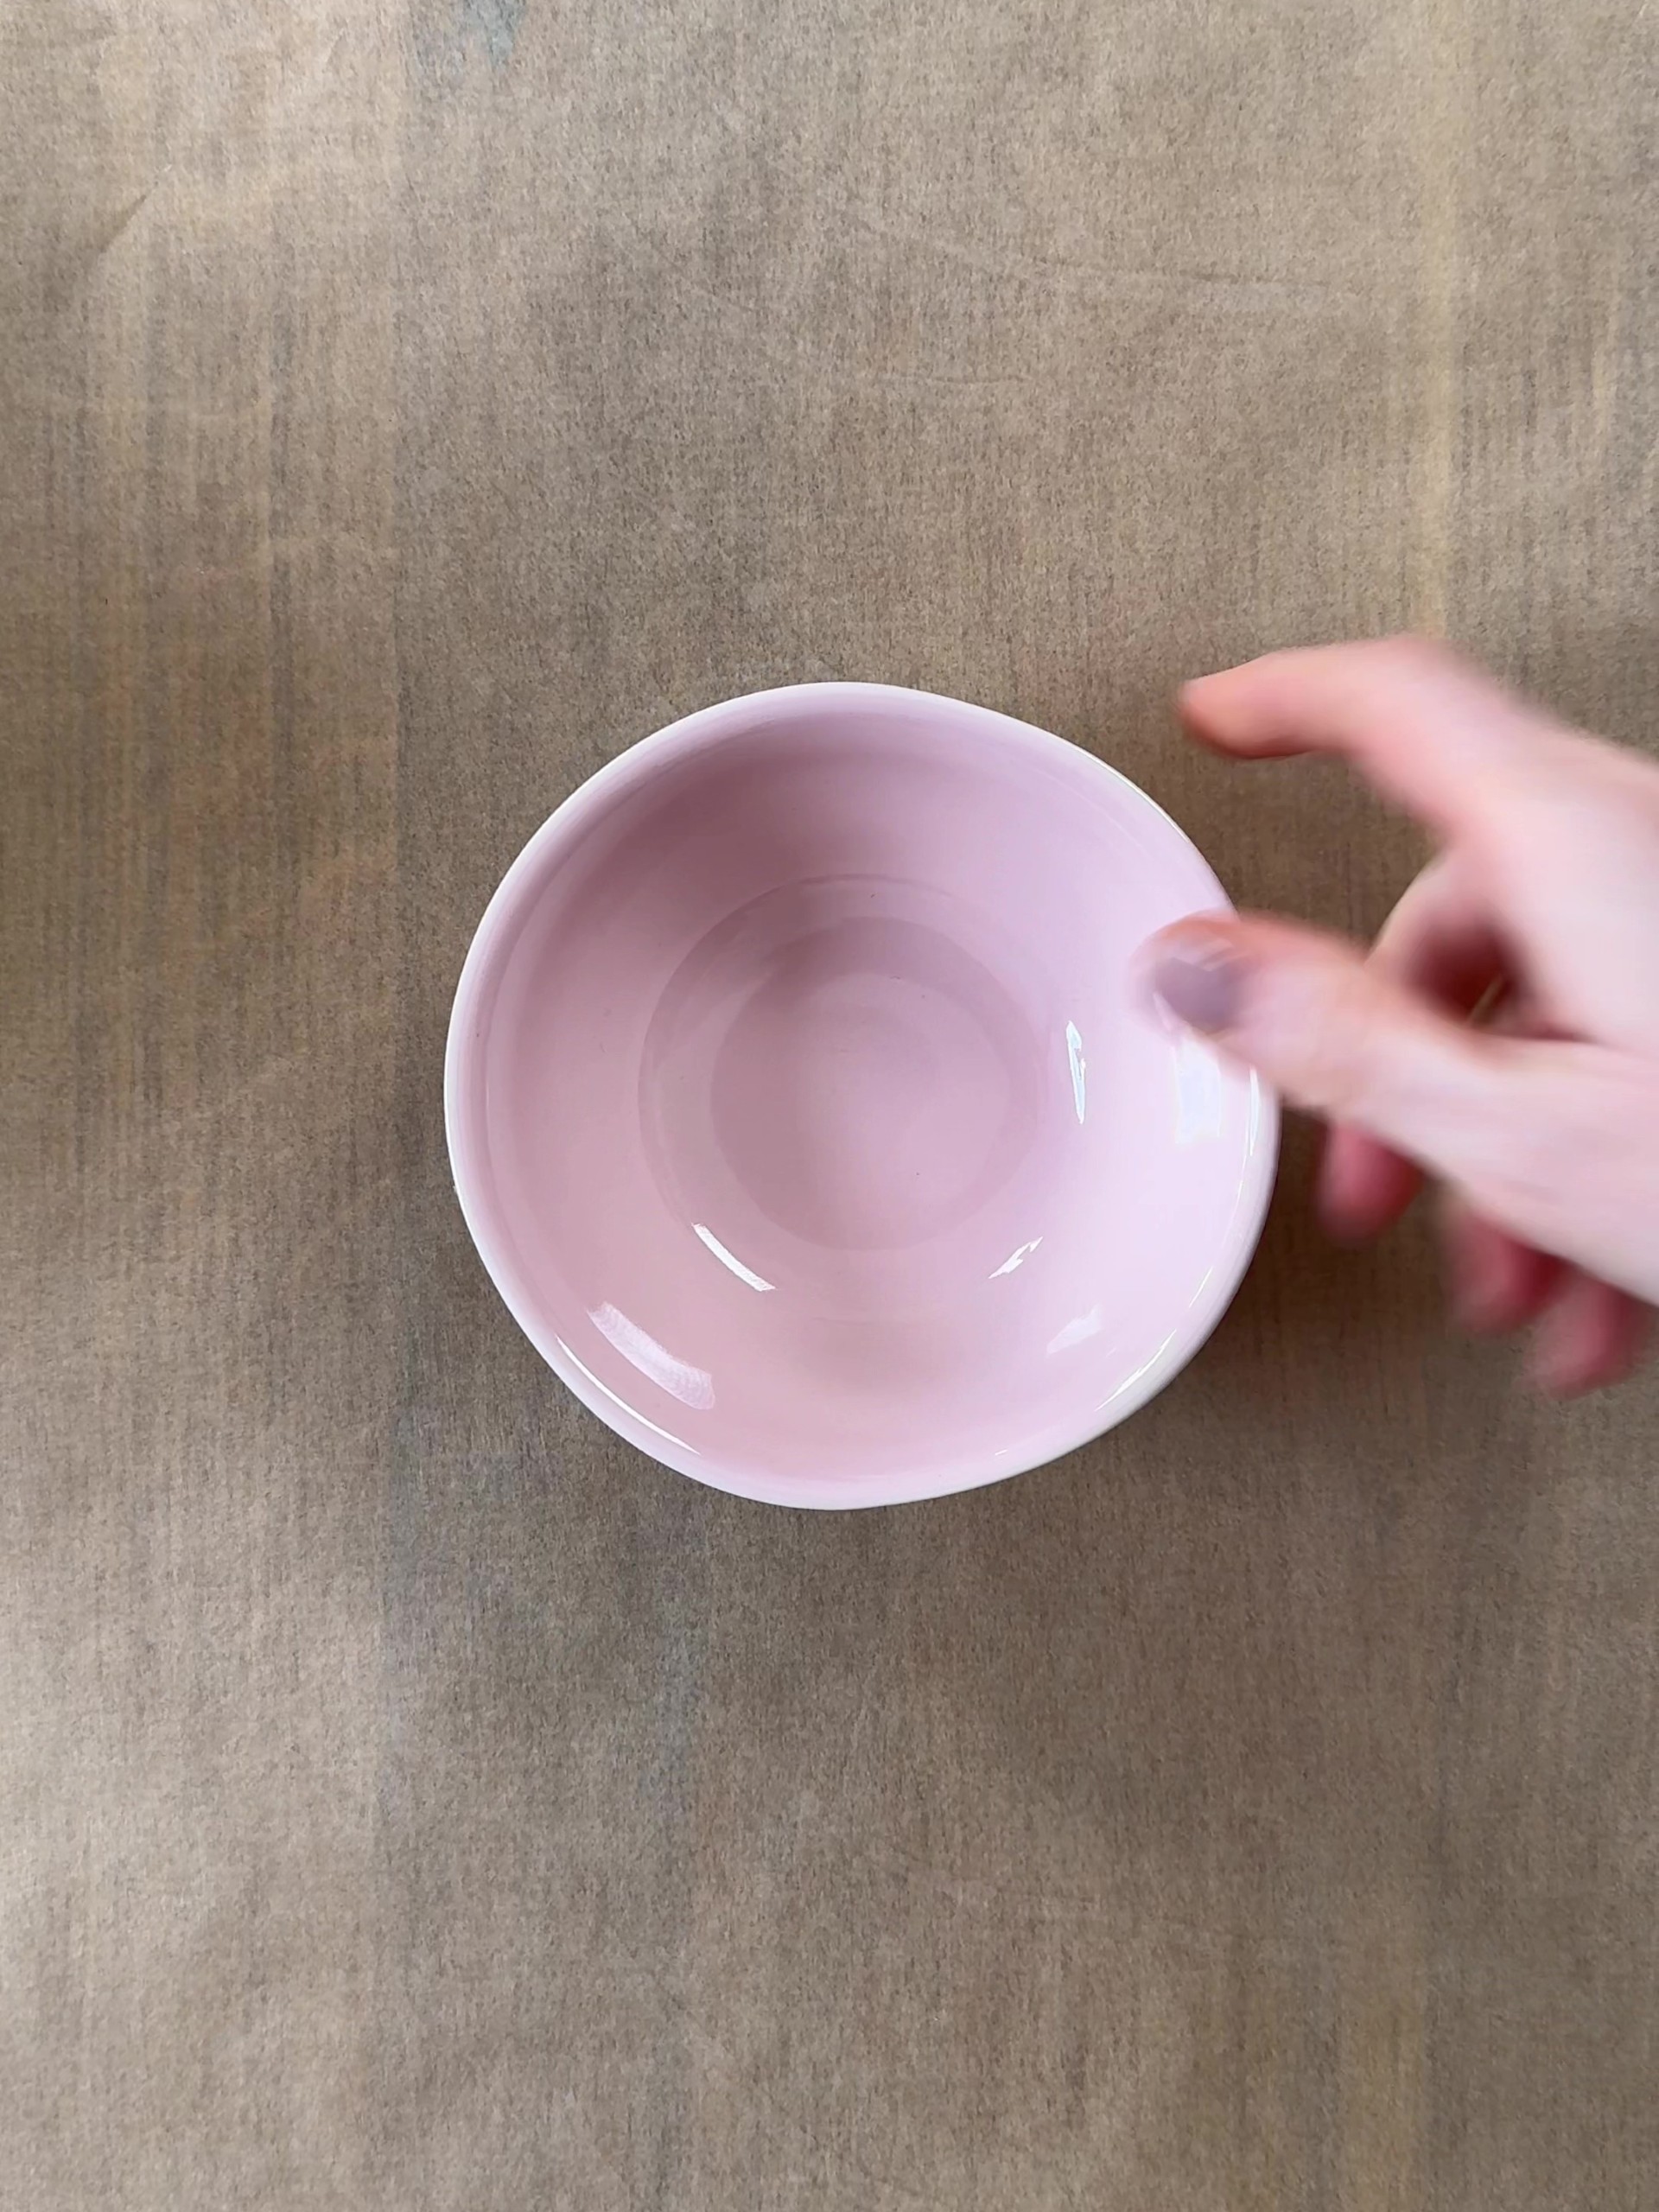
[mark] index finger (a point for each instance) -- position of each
(1427, 727)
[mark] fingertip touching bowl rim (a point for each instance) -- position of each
(468, 1154)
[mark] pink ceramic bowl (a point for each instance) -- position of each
(804, 1108)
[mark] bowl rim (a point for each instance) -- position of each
(593, 796)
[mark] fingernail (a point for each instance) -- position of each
(1193, 692)
(1201, 983)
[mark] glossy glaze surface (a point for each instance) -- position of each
(806, 1111)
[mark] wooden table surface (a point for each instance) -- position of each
(409, 1796)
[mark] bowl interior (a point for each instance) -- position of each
(806, 1112)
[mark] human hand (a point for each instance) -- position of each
(1539, 918)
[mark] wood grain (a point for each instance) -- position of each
(411, 1797)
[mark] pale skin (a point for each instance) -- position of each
(1501, 1038)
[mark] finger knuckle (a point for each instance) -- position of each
(1344, 1051)
(1526, 1169)
(1586, 1141)
(1408, 653)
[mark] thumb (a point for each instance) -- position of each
(1337, 1037)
